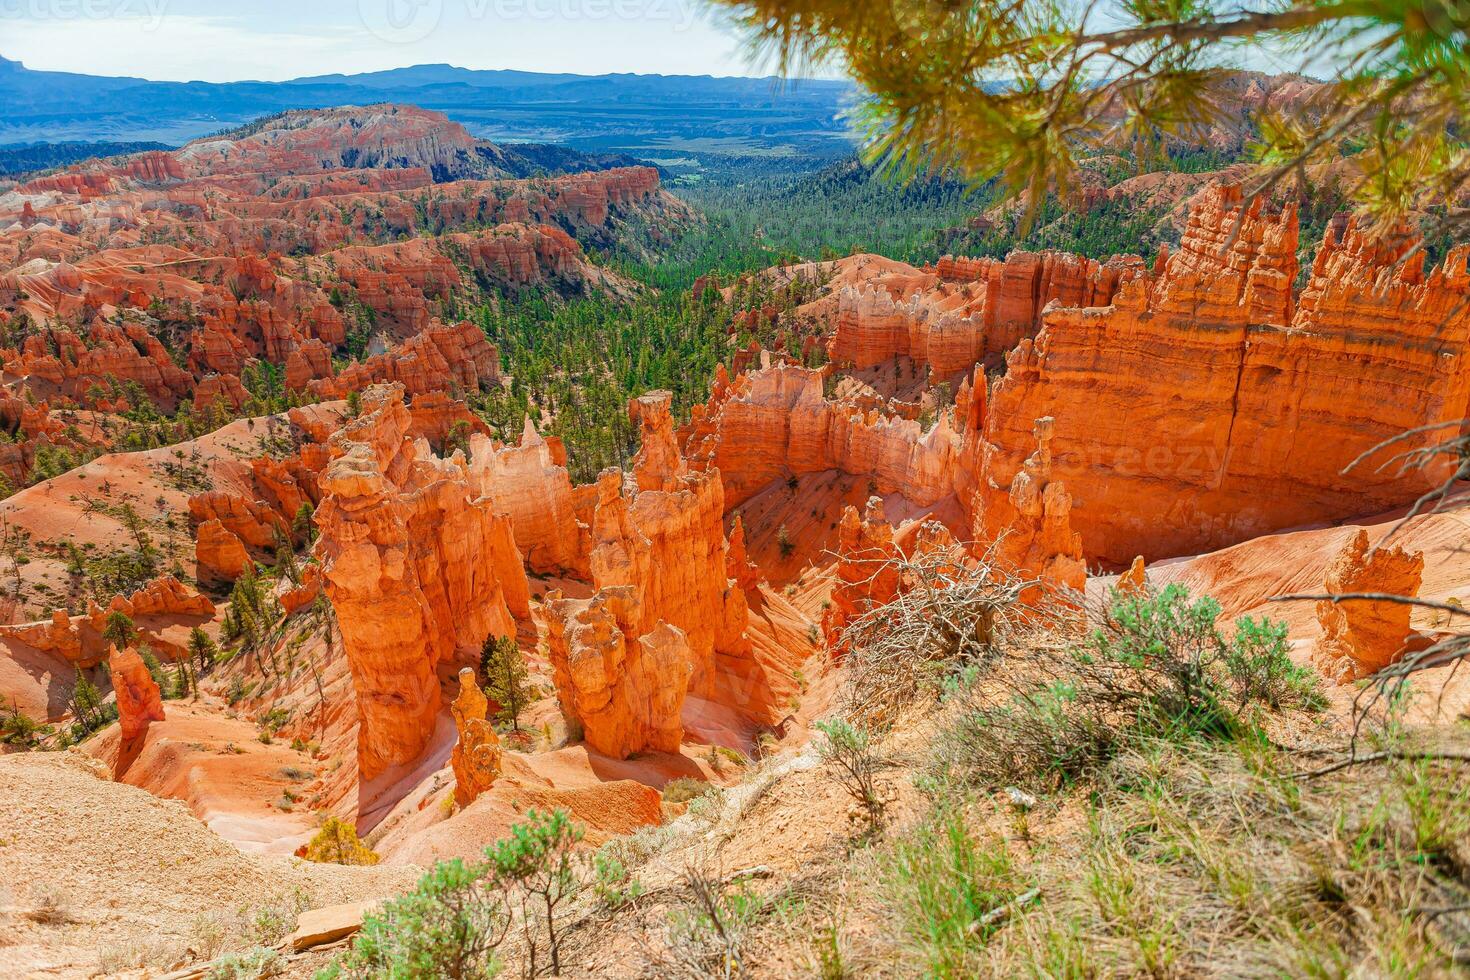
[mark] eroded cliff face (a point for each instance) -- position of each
(419, 569)
(964, 311)
(1205, 406)
(624, 686)
(772, 423)
(867, 571)
(1026, 527)
(160, 603)
(530, 483)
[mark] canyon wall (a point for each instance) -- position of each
(773, 423)
(1206, 406)
(964, 311)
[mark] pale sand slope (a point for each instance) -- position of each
(134, 869)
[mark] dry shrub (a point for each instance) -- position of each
(712, 926)
(49, 905)
(949, 614)
(684, 789)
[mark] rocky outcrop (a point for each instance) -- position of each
(79, 638)
(625, 687)
(219, 395)
(1361, 637)
(219, 552)
(139, 702)
(738, 566)
(304, 594)
(441, 356)
(165, 596)
(253, 522)
(773, 423)
(476, 756)
(663, 535)
(867, 570)
(1134, 582)
(965, 310)
(1027, 529)
(529, 482)
(1205, 405)
(419, 568)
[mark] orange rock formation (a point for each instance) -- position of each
(867, 573)
(138, 700)
(1362, 637)
(529, 483)
(1206, 405)
(769, 424)
(418, 568)
(965, 310)
(1028, 529)
(476, 756)
(625, 689)
(664, 536)
(1134, 582)
(79, 638)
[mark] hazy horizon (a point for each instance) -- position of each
(275, 40)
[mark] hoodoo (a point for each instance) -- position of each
(476, 759)
(626, 690)
(138, 699)
(1361, 637)
(418, 568)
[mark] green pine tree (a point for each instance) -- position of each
(503, 670)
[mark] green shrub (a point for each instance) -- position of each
(1158, 668)
(612, 882)
(535, 867)
(448, 926)
(503, 672)
(19, 729)
(849, 750)
(1261, 671)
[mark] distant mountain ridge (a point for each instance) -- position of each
(629, 113)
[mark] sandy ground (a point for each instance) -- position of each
(131, 868)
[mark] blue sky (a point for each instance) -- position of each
(276, 39)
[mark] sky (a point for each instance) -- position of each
(209, 40)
